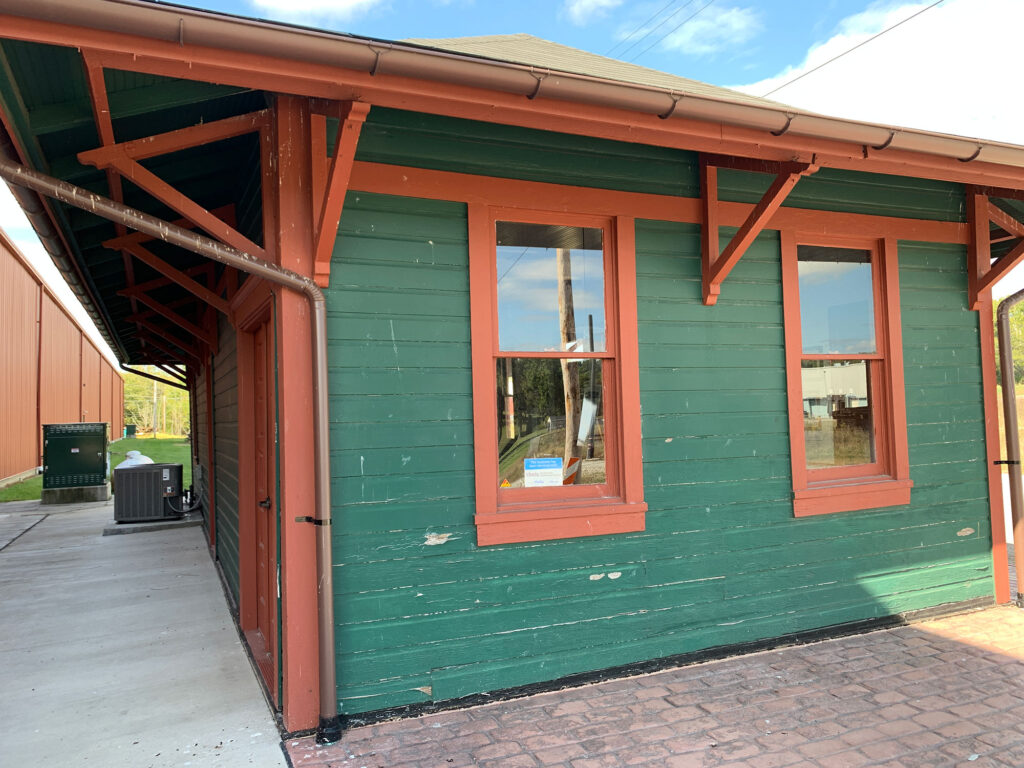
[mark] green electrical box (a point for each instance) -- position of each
(74, 455)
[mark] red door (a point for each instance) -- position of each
(262, 635)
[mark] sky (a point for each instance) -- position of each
(944, 68)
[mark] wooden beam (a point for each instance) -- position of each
(717, 267)
(979, 252)
(184, 205)
(351, 116)
(999, 270)
(186, 325)
(163, 282)
(141, 253)
(152, 331)
(169, 347)
(1004, 221)
(710, 249)
(173, 141)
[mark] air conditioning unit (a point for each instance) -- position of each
(147, 493)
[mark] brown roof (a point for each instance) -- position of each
(536, 52)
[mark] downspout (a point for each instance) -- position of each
(328, 729)
(1012, 436)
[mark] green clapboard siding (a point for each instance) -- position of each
(424, 614)
(225, 453)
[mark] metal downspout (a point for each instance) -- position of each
(329, 729)
(1012, 436)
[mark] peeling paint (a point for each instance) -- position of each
(433, 539)
(596, 576)
(614, 575)
(669, 439)
(426, 689)
(965, 532)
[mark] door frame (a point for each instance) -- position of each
(256, 312)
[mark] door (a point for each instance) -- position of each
(262, 634)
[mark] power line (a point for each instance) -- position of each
(677, 27)
(643, 24)
(851, 50)
(658, 26)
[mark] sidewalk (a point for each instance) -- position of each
(120, 650)
(942, 693)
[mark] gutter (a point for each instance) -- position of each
(329, 729)
(221, 31)
(1012, 436)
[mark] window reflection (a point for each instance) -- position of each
(838, 423)
(550, 276)
(836, 300)
(550, 422)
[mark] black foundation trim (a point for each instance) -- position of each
(668, 662)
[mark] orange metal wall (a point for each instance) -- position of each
(50, 372)
(61, 391)
(19, 367)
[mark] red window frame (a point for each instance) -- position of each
(508, 515)
(886, 481)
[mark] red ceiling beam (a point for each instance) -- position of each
(202, 293)
(183, 323)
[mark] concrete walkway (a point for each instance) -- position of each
(120, 650)
(940, 693)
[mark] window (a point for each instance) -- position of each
(847, 412)
(555, 379)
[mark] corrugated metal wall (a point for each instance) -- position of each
(50, 372)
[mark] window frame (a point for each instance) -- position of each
(539, 514)
(886, 481)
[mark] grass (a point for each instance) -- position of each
(162, 450)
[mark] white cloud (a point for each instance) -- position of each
(583, 12)
(315, 9)
(946, 70)
(714, 30)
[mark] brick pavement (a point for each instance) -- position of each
(948, 692)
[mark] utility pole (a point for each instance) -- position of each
(154, 410)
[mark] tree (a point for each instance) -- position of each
(144, 398)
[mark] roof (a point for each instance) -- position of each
(547, 55)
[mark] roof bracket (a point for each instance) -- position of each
(715, 265)
(982, 272)
(540, 81)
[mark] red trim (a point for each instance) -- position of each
(993, 452)
(514, 193)
(330, 187)
(538, 514)
(885, 482)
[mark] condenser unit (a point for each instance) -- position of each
(147, 492)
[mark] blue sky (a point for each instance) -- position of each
(726, 42)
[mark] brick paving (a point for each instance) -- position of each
(948, 692)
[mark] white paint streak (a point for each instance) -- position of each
(614, 575)
(394, 344)
(596, 576)
(433, 539)
(669, 439)
(965, 532)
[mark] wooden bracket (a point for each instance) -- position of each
(982, 272)
(331, 177)
(715, 265)
(184, 324)
(148, 258)
(124, 158)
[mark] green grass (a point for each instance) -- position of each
(162, 450)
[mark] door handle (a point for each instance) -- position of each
(265, 503)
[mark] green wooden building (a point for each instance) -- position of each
(618, 368)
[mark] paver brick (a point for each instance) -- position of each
(912, 697)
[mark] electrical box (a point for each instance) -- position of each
(147, 492)
(74, 455)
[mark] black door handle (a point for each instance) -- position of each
(265, 503)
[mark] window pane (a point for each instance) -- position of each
(545, 436)
(838, 429)
(836, 301)
(550, 287)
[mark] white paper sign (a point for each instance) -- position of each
(542, 472)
